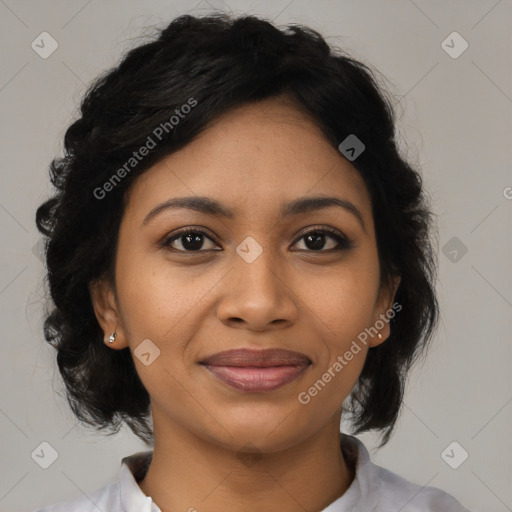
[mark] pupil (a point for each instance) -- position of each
(318, 241)
(193, 242)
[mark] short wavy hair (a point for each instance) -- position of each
(222, 62)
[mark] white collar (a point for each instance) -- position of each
(365, 488)
(133, 469)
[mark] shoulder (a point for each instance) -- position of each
(118, 496)
(388, 491)
(396, 491)
(106, 498)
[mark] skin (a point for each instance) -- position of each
(194, 304)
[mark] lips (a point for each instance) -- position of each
(259, 358)
(256, 370)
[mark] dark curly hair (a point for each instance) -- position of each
(222, 62)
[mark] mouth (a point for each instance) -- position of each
(257, 370)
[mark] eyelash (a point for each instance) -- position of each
(344, 243)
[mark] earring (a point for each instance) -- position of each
(112, 337)
(379, 335)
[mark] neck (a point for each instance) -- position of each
(188, 472)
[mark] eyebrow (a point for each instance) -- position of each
(212, 207)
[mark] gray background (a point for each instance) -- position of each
(455, 116)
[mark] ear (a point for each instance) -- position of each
(106, 311)
(383, 309)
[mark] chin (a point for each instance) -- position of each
(257, 434)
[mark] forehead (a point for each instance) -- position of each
(252, 158)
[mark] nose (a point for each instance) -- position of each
(258, 296)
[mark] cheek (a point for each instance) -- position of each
(156, 297)
(344, 300)
(341, 306)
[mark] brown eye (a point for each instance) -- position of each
(315, 240)
(191, 240)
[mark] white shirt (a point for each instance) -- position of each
(373, 489)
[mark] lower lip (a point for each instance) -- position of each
(256, 379)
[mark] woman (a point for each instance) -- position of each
(238, 256)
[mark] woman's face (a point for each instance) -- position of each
(255, 280)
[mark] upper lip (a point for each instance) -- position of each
(257, 357)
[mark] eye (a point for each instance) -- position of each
(315, 240)
(191, 239)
